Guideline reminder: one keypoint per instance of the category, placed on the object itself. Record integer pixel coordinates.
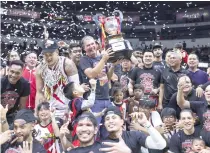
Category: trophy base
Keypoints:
(122, 49)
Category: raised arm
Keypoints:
(181, 102)
(161, 93)
(91, 98)
(94, 72)
(155, 139)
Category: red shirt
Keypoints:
(184, 56)
(30, 76)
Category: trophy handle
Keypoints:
(120, 15)
(96, 19)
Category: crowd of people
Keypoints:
(81, 103)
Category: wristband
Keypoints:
(147, 125)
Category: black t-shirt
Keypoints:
(148, 77)
(133, 139)
(102, 86)
(14, 148)
(124, 80)
(182, 143)
(202, 109)
(159, 65)
(10, 94)
(190, 97)
(170, 80)
(81, 76)
(89, 149)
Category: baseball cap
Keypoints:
(157, 45)
(178, 45)
(113, 110)
(49, 46)
(26, 115)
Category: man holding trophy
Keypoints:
(111, 36)
(95, 66)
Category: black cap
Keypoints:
(49, 46)
(157, 45)
(26, 115)
(113, 110)
(178, 45)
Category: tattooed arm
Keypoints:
(71, 71)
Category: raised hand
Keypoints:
(199, 92)
(181, 85)
(85, 86)
(116, 147)
(106, 54)
(178, 125)
(27, 147)
(140, 117)
(6, 136)
(64, 130)
(93, 83)
(3, 111)
(136, 126)
(46, 33)
(62, 44)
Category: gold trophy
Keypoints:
(111, 35)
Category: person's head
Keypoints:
(86, 128)
(73, 90)
(175, 59)
(187, 119)
(89, 46)
(193, 61)
(148, 58)
(75, 52)
(138, 53)
(198, 144)
(113, 120)
(157, 50)
(118, 95)
(126, 64)
(15, 71)
(31, 59)
(207, 94)
(178, 47)
(146, 106)
(50, 52)
(168, 116)
(167, 59)
(43, 111)
(13, 56)
(24, 124)
(138, 91)
(140, 62)
(188, 83)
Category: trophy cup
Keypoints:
(111, 35)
